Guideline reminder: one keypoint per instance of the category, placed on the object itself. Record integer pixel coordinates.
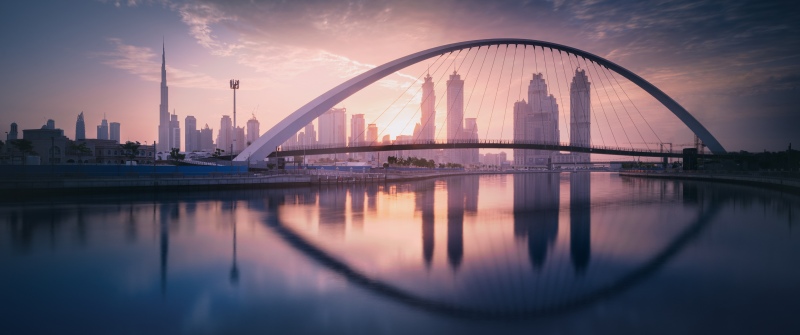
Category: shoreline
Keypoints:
(13, 188)
(780, 183)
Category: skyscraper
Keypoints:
(102, 129)
(536, 121)
(427, 129)
(332, 128)
(191, 134)
(207, 139)
(357, 129)
(239, 140)
(225, 134)
(471, 156)
(114, 131)
(253, 131)
(80, 128)
(455, 113)
(310, 137)
(174, 132)
(372, 139)
(164, 133)
(580, 121)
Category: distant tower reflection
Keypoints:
(580, 222)
(332, 207)
(234, 275)
(536, 206)
(357, 199)
(164, 239)
(424, 203)
(455, 222)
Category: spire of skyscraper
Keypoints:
(164, 117)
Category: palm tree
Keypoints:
(176, 154)
(24, 146)
(81, 149)
(131, 149)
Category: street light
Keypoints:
(234, 87)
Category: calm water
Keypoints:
(568, 253)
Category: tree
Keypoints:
(176, 154)
(81, 149)
(24, 146)
(131, 149)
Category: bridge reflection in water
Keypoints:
(495, 283)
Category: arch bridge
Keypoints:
(268, 143)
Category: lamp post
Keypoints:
(234, 87)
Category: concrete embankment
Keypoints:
(78, 185)
(789, 182)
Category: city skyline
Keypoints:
(729, 88)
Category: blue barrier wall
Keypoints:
(115, 170)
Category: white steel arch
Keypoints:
(289, 126)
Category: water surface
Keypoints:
(540, 252)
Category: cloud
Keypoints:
(146, 64)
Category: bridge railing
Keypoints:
(555, 145)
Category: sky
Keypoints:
(734, 65)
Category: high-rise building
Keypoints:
(164, 132)
(372, 139)
(102, 129)
(114, 131)
(310, 137)
(191, 134)
(455, 114)
(225, 134)
(239, 140)
(537, 122)
(579, 109)
(207, 139)
(253, 131)
(51, 124)
(80, 128)
(471, 156)
(357, 129)
(12, 133)
(174, 132)
(427, 125)
(332, 129)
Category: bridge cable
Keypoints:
(611, 103)
(440, 100)
(497, 90)
(494, 58)
(420, 106)
(415, 94)
(508, 95)
(477, 78)
(634, 106)
(602, 106)
(398, 98)
(580, 104)
(605, 73)
(599, 131)
(566, 83)
(549, 97)
(597, 122)
(409, 101)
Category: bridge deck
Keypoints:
(482, 144)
